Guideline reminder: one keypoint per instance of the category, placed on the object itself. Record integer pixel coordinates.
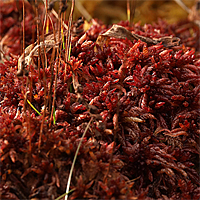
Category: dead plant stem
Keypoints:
(44, 65)
(51, 80)
(57, 67)
(55, 86)
(38, 35)
(52, 68)
(68, 38)
(25, 92)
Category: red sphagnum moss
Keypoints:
(144, 140)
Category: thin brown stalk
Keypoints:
(68, 38)
(56, 15)
(52, 69)
(23, 26)
(25, 92)
(38, 35)
(23, 48)
(57, 66)
(44, 65)
(55, 86)
(60, 35)
(51, 80)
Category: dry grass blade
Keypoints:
(56, 15)
(83, 11)
(75, 156)
(182, 5)
(63, 195)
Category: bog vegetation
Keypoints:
(95, 111)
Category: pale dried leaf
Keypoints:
(120, 32)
